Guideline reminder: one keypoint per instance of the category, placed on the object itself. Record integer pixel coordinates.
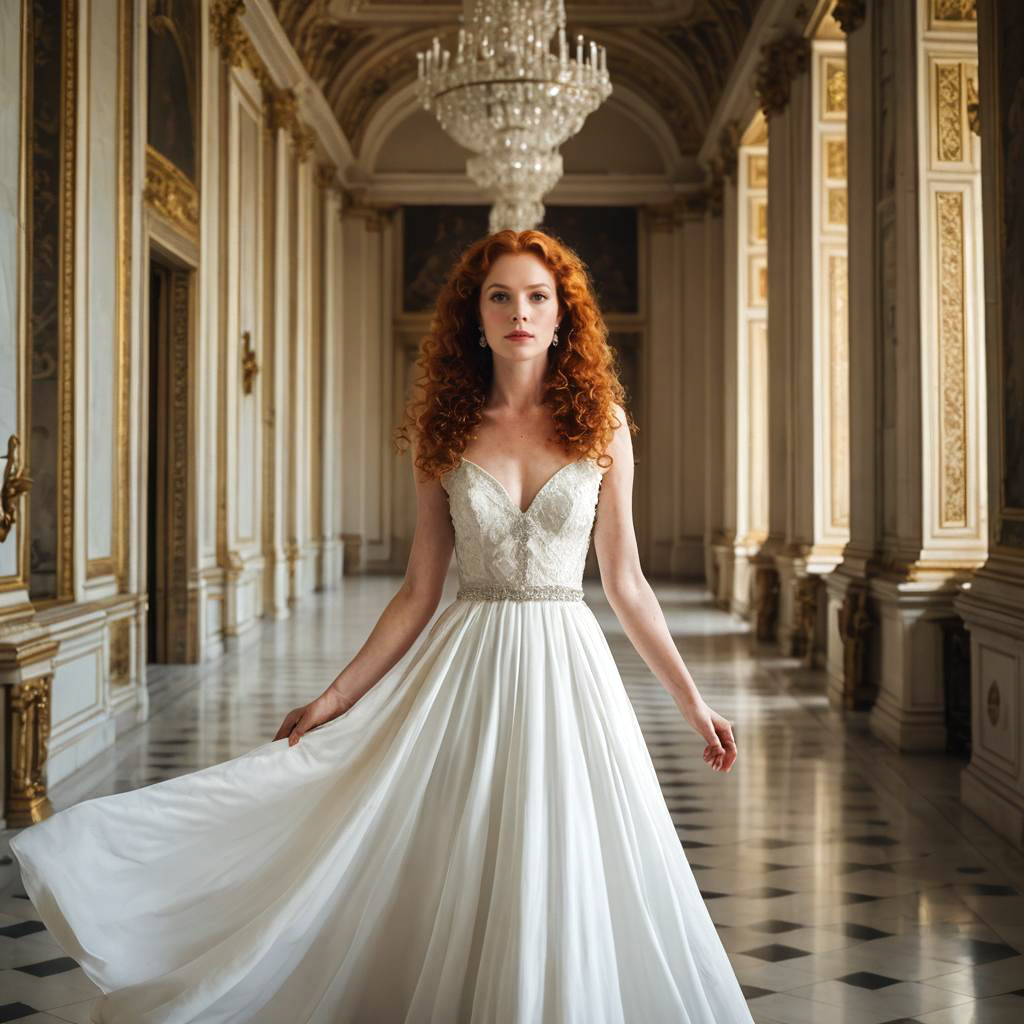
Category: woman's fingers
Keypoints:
(289, 720)
(303, 725)
(720, 753)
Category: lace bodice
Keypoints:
(505, 553)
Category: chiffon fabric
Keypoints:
(480, 838)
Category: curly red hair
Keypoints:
(582, 381)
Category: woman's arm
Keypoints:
(401, 621)
(636, 605)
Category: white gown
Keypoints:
(480, 838)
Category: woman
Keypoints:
(476, 834)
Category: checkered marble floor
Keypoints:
(848, 883)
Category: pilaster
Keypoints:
(993, 608)
(933, 525)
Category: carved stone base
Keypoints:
(733, 584)
(764, 601)
(992, 786)
(26, 673)
(909, 712)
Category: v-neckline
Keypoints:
(501, 487)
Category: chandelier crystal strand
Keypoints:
(511, 100)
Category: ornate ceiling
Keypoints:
(674, 54)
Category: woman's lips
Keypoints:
(518, 335)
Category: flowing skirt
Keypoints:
(480, 838)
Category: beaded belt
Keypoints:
(499, 592)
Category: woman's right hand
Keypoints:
(299, 721)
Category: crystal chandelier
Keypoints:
(512, 101)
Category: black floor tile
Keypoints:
(15, 1011)
(773, 926)
(43, 969)
(868, 979)
(16, 931)
(775, 951)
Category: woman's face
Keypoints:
(519, 295)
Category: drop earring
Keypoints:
(483, 340)
(554, 340)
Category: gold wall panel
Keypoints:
(839, 373)
(949, 219)
(170, 194)
(836, 207)
(757, 171)
(835, 159)
(757, 281)
(949, 140)
(757, 220)
(833, 103)
(953, 12)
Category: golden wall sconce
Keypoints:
(16, 482)
(250, 367)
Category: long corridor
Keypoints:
(849, 884)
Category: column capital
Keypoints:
(782, 60)
(850, 14)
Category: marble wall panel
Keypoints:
(100, 289)
(10, 246)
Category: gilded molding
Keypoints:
(837, 208)
(178, 623)
(949, 120)
(169, 192)
(955, 10)
(281, 108)
(16, 482)
(28, 731)
(250, 364)
(230, 37)
(839, 378)
(835, 88)
(781, 61)
(326, 175)
(835, 158)
(973, 104)
(69, 93)
(125, 222)
(952, 359)
(850, 14)
(238, 51)
(757, 171)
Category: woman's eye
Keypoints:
(541, 294)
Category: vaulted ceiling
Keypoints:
(674, 54)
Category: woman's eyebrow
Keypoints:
(541, 284)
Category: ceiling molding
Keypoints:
(288, 72)
(675, 54)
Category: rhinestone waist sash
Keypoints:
(500, 592)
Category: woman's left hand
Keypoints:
(720, 752)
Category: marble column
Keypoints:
(849, 618)
(714, 489)
(280, 182)
(326, 478)
(368, 367)
(785, 97)
(993, 608)
(809, 497)
(932, 479)
(744, 392)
